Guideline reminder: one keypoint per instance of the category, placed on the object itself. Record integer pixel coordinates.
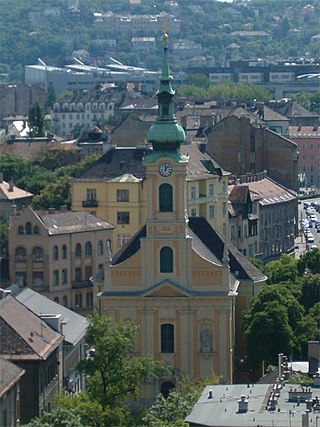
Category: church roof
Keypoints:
(208, 243)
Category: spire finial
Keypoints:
(165, 39)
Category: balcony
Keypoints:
(81, 284)
(90, 203)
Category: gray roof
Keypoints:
(74, 325)
(71, 222)
(222, 410)
(9, 375)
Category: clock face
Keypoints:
(165, 169)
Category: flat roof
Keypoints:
(222, 409)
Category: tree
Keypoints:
(269, 322)
(36, 119)
(54, 195)
(282, 270)
(309, 262)
(4, 227)
(51, 98)
(199, 80)
(59, 417)
(171, 411)
(113, 372)
(55, 156)
(310, 291)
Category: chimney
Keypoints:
(53, 320)
(64, 208)
(210, 395)
(4, 293)
(51, 211)
(243, 404)
(10, 185)
(1, 177)
(305, 419)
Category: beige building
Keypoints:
(56, 253)
(114, 188)
(177, 278)
(12, 197)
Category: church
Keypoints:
(179, 280)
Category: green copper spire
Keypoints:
(166, 134)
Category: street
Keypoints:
(301, 245)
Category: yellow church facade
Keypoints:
(177, 277)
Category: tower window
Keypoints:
(167, 338)
(165, 198)
(166, 260)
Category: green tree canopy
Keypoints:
(59, 417)
(113, 372)
(309, 262)
(36, 119)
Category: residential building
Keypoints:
(242, 144)
(17, 99)
(12, 198)
(118, 180)
(132, 24)
(251, 405)
(73, 328)
(177, 278)
(307, 139)
(82, 110)
(145, 44)
(273, 120)
(31, 344)
(284, 78)
(263, 216)
(93, 141)
(10, 377)
(56, 252)
(296, 113)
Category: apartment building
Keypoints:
(56, 252)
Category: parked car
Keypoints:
(310, 239)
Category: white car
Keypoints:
(310, 239)
(313, 218)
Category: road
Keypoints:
(301, 245)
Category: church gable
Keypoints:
(166, 289)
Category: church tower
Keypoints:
(176, 278)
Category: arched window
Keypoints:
(37, 254)
(64, 252)
(109, 244)
(88, 249)
(65, 301)
(89, 298)
(167, 338)
(28, 228)
(56, 299)
(78, 250)
(165, 198)
(20, 255)
(55, 252)
(100, 247)
(20, 229)
(166, 260)
(78, 300)
(35, 229)
(166, 387)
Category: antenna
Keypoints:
(78, 61)
(114, 60)
(42, 62)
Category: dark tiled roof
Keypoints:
(207, 243)
(239, 194)
(201, 164)
(74, 325)
(131, 247)
(23, 335)
(116, 162)
(215, 243)
(75, 222)
(9, 375)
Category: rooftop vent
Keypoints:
(243, 404)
